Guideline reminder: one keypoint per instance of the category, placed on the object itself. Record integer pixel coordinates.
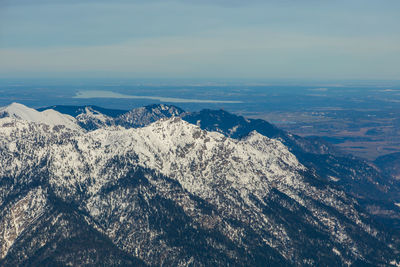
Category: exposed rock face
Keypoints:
(376, 190)
(143, 116)
(172, 194)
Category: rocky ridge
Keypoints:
(172, 193)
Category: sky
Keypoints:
(201, 39)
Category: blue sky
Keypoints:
(253, 39)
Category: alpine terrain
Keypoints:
(160, 186)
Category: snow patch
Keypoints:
(333, 178)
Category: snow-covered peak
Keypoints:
(90, 111)
(19, 111)
(94, 114)
(176, 129)
(49, 116)
(196, 158)
(91, 119)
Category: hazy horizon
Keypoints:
(249, 40)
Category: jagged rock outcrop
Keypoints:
(143, 116)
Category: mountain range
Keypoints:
(160, 186)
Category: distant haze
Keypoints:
(249, 39)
